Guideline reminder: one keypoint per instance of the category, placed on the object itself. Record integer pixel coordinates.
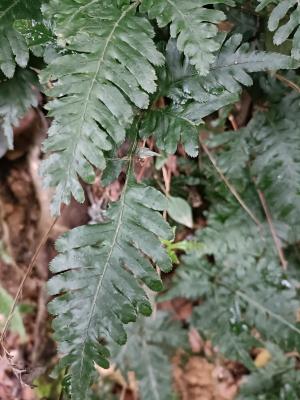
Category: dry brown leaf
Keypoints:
(263, 358)
(196, 341)
(180, 308)
(202, 380)
(113, 374)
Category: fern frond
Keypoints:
(13, 50)
(99, 271)
(194, 25)
(150, 344)
(16, 97)
(276, 163)
(238, 299)
(186, 282)
(237, 272)
(18, 9)
(194, 97)
(190, 102)
(13, 47)
(236, 60)
(218, 319)
(108, 73)
(268, 149)
(244, 289)
(284, 21)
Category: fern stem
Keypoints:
(114, 240)
(289, 83)
(275, 237)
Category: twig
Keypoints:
(167, 176)
(233, 122)
(272, 229)
(289, 83)
(28, 272)
(123, 393)
(140, 175)
(61, 395)
(41, 316)
(230, 186)
(167, 179)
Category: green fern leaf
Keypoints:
(13, 50)
(100, 267)
(231, 335)
(190, 102)
(20, 87)
(195, 97)
(151, 343)
(236, 61)
(18, 9)
(13, 47)
(186, 282)
(245, 289)
(193, 24)
(108, 73)
(284, 10)
(275, 146)
(268, 149)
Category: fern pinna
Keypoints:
(108, 65)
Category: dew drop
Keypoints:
(286, 283)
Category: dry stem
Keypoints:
(28, 272)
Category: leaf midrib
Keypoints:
(87, 99)
(9, 8)
(215, 67)
(114, 241)
(80, 9)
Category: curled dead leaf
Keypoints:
(262, 358)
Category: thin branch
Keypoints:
(289, 83)
(167, 176)
(233, 122)
(28, 272)
(123, 393)
(275, 237)
(230, 186)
